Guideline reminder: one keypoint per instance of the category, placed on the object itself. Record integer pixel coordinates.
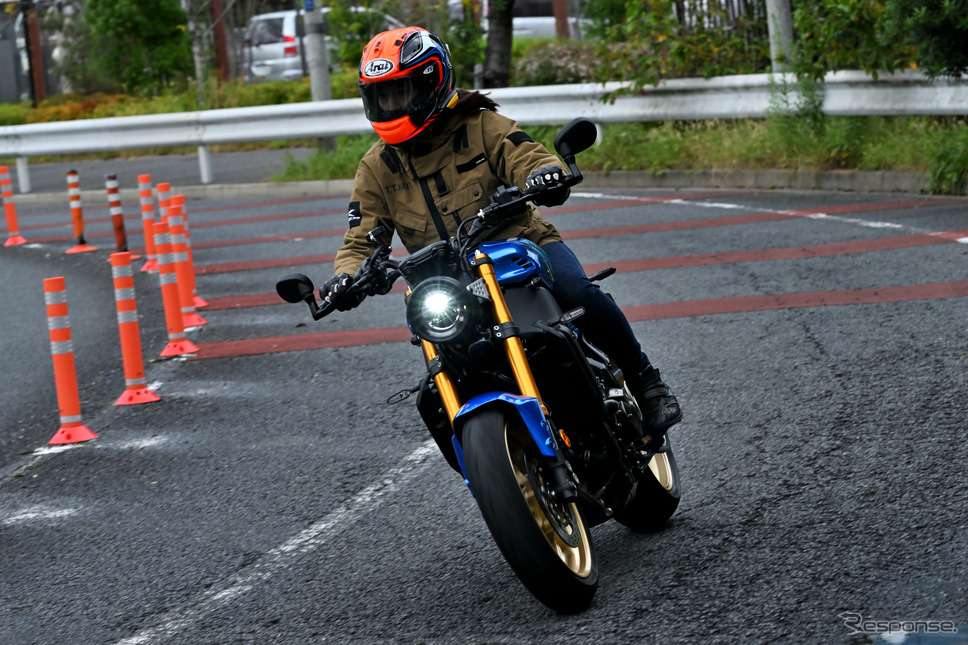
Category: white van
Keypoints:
(274, 43)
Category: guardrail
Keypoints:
(725, 97)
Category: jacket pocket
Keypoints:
(463, 202)
(412, 228)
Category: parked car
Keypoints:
(274, 45)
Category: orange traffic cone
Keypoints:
(77, 215)
(147, 221)
(198, 300)
(164, 199)
(72, 430)
(117, 215)
(179, 251)
(10, 209)
(136, 390)
(178, 344)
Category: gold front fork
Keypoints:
(512, 345)
(448, 393)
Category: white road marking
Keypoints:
(686, 202)
(39, 512)
(279, 558)
(731, 206)
(855, 221)
(53, 450)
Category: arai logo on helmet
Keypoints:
(378, 67)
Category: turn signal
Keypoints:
(564, 437)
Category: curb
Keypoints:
(840, 181)
(860, 181)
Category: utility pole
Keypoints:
(780, 24)
(317, 54)
(317, 59)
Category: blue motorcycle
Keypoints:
(535, 418)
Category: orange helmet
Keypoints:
(406, 80)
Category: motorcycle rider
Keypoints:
(443, 152)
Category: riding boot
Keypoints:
(660, 409)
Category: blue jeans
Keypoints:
(603, 323)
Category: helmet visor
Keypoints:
(412, 96)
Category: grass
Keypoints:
(934, 146)
(323, 164)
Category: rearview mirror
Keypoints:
(577, 136)
(295, 287)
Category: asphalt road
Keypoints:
(817, 343)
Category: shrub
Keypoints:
(949, 161)
(553, 62)
(13, 113)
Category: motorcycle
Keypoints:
(535, 418)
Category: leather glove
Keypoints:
(334, 292)
(545, 180)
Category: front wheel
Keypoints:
(545, 541)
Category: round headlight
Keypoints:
(440, 309)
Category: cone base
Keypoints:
(179, 348)
(81, 248)
(150, 265)
(193, 320)
(133, 256)
(199, 302)
(72, 434)
(134, 397)
(14, 240)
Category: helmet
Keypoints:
(406, 80)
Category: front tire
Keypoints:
(545, 541)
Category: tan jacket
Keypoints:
(422, 191)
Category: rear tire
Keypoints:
(656, 496)
(544, 541)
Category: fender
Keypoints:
(526, 407)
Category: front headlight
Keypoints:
(440, 310)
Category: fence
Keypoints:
(726, 97)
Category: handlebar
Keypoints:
(378, 272)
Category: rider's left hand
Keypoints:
(546, 181)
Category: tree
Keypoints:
(846, 34)
(497, 53)
(938, 30)
(143, 44)
(467, 35)
(645, 41)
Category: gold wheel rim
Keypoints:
(662, 469)
(566, 536)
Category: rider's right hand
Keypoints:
(334, 292)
